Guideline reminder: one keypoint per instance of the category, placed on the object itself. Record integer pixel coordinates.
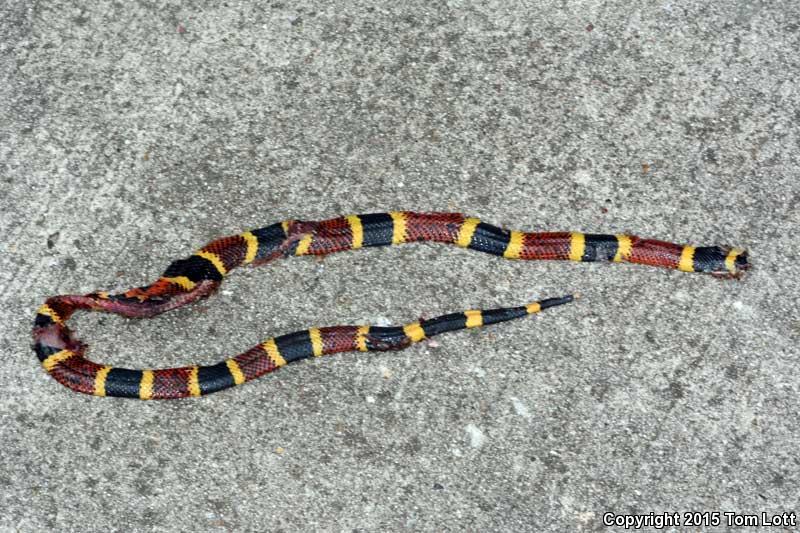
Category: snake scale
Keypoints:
(200, 274)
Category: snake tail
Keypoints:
(63, 357)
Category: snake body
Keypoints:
(200, 274)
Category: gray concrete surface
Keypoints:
(132, 133)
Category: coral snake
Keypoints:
(200, 274)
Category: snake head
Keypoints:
(736, 263)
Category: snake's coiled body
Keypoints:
(199, 275)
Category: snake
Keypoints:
(199, 275)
